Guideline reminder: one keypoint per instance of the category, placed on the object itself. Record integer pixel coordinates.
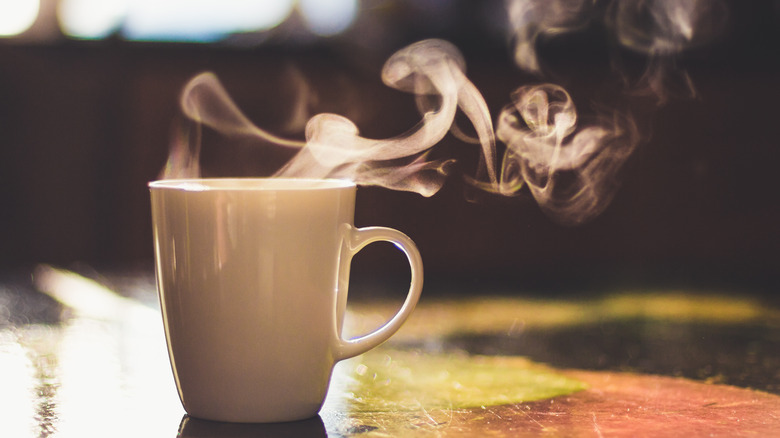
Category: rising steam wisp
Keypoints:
(570, 170)
(334, 148)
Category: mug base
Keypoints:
(197, 427)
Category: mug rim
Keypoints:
(250, 183)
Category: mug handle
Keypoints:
(356, 239)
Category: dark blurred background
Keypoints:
(87, 114)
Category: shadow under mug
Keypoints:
(252, 275)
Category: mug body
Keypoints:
(248, 278)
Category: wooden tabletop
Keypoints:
(84, 354)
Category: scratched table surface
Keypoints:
(83, 354)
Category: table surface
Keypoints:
(83, 354)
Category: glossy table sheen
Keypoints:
(87, 357)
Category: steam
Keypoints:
(659, 29)
(666, 26)
(205, 102)
(532, 19)
(662, 29)
(334, 148)
(571, 169)
(572, 173)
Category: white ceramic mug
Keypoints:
(252, 275)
